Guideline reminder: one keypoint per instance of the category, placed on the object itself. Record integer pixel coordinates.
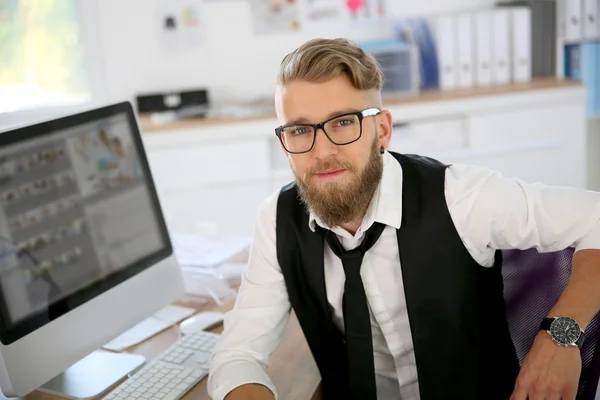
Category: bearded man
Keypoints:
(389, 260)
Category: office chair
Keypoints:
(533, 282)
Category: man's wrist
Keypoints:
(250, 391)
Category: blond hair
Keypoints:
(319, 60)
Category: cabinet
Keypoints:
(220, 173)
(230, 209)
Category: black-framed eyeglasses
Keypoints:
(340, 130)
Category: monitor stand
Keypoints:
(93, 375)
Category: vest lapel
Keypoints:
(314, 264)
(415, 275)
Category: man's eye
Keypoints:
(299, 131)
(344, 122)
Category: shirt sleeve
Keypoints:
(494, 212)
(254, 328)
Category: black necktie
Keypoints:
(357, 322)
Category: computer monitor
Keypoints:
(84, 249)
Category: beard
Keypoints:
(345, 201)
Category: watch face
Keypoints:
(565, 331)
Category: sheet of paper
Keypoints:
(179, 23)
(149, 327)
(195, 250)
(275, 16)
(323, 11)
(361, 11)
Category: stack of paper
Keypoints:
(199, 284)
(198, 251)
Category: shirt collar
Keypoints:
(386, 205)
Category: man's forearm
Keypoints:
(581, 297)
(250, 392)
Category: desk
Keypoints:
(292, 370)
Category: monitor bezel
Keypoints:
(9, 332)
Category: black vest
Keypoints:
(456, 308)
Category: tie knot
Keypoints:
(371, 236)
(350, 254)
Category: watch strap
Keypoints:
(580, 341)
(545, 325)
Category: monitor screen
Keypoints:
(78, 215)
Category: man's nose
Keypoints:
(323, 147)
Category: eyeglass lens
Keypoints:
(342, 130)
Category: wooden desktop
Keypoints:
(292, 369)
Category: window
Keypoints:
(42, 55)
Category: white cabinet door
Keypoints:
(430, 137)
(209, 163)
(537, 144)
(231, 209)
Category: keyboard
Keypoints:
(173, 373)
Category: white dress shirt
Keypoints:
(489, 211)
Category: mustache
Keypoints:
(330, 164)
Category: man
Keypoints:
(415, 311)
(125, 162)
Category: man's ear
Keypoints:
(384, 128)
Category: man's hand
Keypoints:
(250, 392)
(549, 372)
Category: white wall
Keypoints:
(232, 60)
(432, 7)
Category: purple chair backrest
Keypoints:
(533, 282)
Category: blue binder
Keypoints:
(582, 62)
(419, 31)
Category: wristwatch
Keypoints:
(564, 331)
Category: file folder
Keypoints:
(573, 13)
(447, 52)
(483, 48)
(521, 44)
(501, 46)
(466, 55)
(591, 26)
(544, 35)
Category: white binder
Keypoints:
(591, 25)
(573, 13)
(598, 17)
(483, 48)
(521, 44)
(501, 46)
(447, 52)
(466, 56)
